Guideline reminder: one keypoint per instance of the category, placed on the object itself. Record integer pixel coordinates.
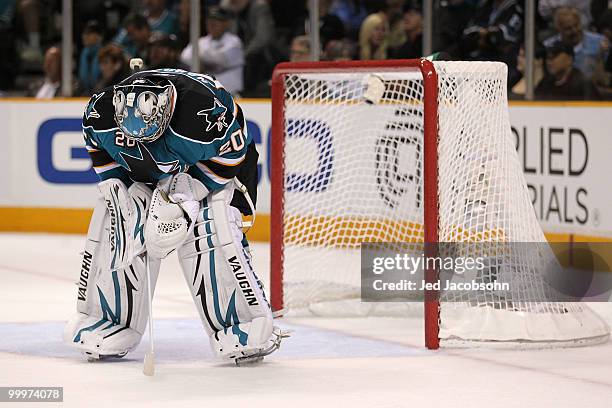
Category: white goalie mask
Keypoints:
(143, 109)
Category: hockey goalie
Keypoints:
(170, 148)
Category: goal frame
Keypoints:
(430, 170)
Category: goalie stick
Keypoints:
(148, 368)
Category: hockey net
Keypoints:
(354, 148)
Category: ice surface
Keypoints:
(365, 362)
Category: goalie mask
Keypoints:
(143, 108)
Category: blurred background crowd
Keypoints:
(244, 39)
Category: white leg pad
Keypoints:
(115, 316)
(112, 303)
(225, 289)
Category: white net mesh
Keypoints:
(354, 173)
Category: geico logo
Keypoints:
(47, 131)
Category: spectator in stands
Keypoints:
(134, 36)
(160, 19)
(413, 29)
(564, 81)
(221, 52)
(394, 13)
(547, 8)
(184, 18)
(108, 13)
(255, 27)
(339, 50)
(139, 35)
(330, 25)
(290, 20)
(113, 65)
(373, 37)
(450, 20)
(89, 67)
(604, 24)
(495, 32)
(8, 66)
(164, 52)
(30, 13)
(52, 67)
(590, 49)
(605, 28)
(352, 13)
(519, 89)
(300, 49)
(598, 8)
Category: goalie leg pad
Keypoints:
(111, 303)
(227, 293)
(112, 320)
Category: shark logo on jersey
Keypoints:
(90, 111)
(215, 116)
(145, 168)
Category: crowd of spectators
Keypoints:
(243, 40)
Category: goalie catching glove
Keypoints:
(174, 209)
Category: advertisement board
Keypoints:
(564, 153)
(563, 149)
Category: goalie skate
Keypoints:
(92, 357)
(275, 342)
(93, 339)
(91, 345)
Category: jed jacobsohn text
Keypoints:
(441, 285)
(397, 273)
(413, 264)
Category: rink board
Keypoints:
(563, 147)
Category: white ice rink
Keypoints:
(373, 362)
